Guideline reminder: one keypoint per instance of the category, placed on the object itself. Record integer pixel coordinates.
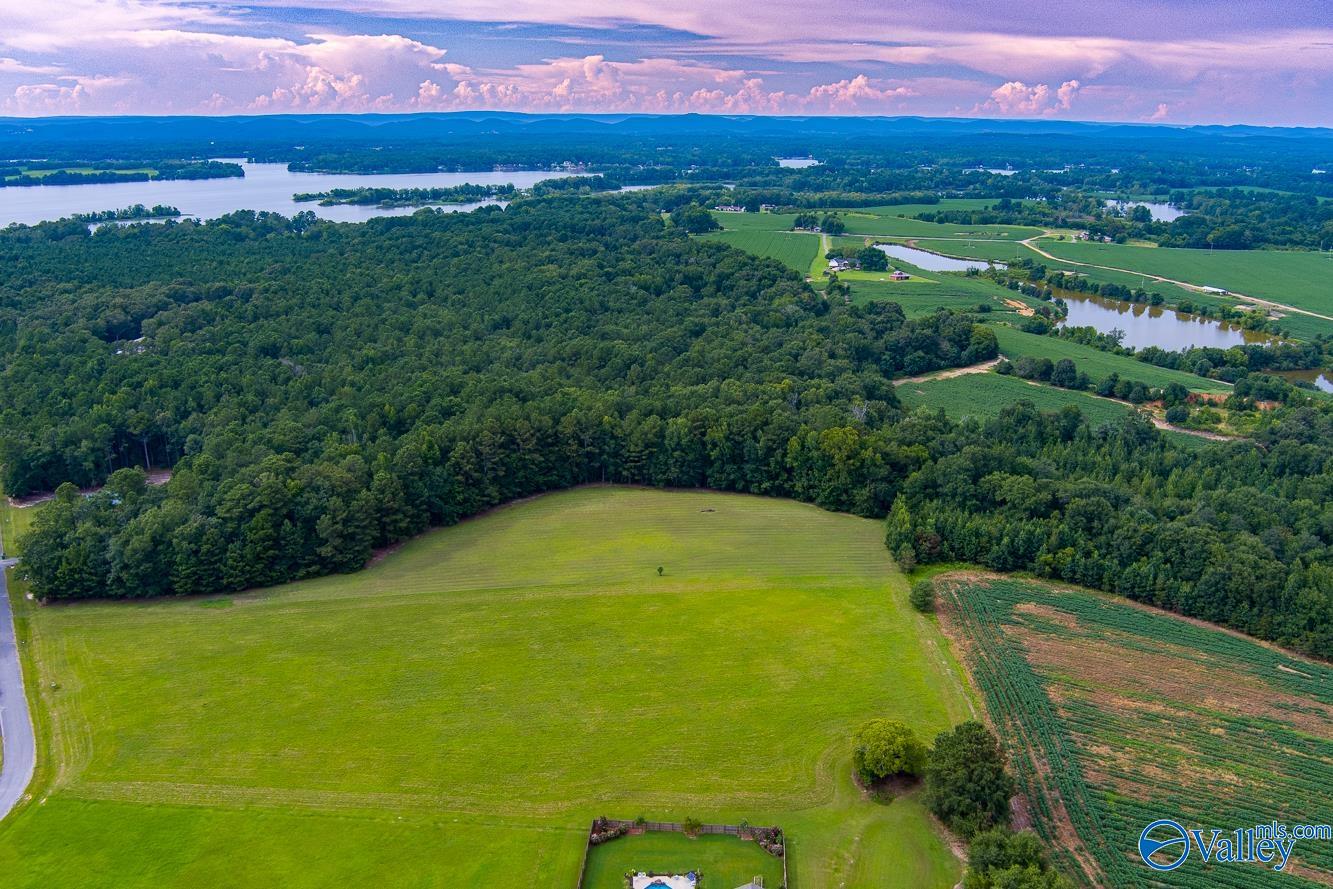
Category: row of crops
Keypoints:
(1245, 736)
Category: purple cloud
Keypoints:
(1191, 61)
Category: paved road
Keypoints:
(20, 749)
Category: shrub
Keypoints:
(967, 786)
(1177, 414)
(922, 596)
(998, 858)
(885, 748)
(692, 826)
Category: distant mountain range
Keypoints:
(284, 128)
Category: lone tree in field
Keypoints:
(967, 786)
(922, 596)
(885, 748)
(659, 570)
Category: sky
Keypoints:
(1180, 62)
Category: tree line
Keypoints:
(322, 390)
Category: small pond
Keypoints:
(933, 262)
(1160, 212)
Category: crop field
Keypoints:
(1096, 363)
(719, 860)
(457, 713)
(1115, 716)
(984, 395)
(1294, 278)
(793, 249)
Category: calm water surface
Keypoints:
(933, 262)
(1153, 325)
(1322, 379)
(1160, 212)
(265, 187)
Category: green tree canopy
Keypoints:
(967, 786)
(884, 748)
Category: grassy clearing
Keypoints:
(1115, 716)
(1096, 363)
(934, 290)
(1289, 277)
(720, 860)
(457, 714)
(984, 395)
(863, 222)
(793, 249)
(915, 209)
(14, 523)
(995, 251)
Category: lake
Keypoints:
(1160, 212)
(1153, 325)
(265, 187)
(933, 262)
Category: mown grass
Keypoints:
(796, 250)
(14, 523)
(456, 714)
(1293, 324)
(864, 222)
(1116, 715)
(926, 292)
(1098, 364)
(966, 248)
(984, 395)
(719, 860)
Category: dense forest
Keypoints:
(1234, 534)
(30, 173)
(322, 390)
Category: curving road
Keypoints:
(20, 748)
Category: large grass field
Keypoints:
(1271, 275)
(1115, 716)
(885, 222)
(796, 250)
(877, 221)
(456, 714)
(984, 395)
(1096, 363)
(969, 248)
(1289, 277)
(926, 292)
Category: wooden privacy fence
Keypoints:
(634, 827)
